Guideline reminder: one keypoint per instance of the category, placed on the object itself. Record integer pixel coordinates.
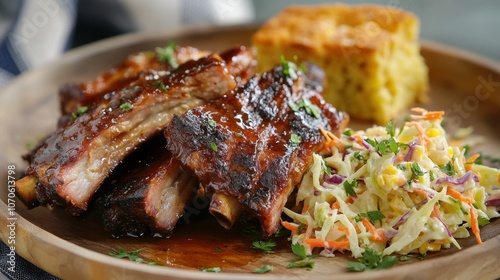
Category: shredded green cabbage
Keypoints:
(424, 188)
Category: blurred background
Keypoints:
(33, 32)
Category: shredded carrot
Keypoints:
(377, 233)
(336, 205)
(344, 229)
(294, 228)
(305, 208)
(453, 193)
(498, 179)
(470, 161)
(474, 224)
(426, 115)
(331, 244)
(332, 141)
(421, 133)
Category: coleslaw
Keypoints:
(393, 190)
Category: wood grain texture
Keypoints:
(77, 248)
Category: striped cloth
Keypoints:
(34, 32)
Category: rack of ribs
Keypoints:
(249, 149)
(70, 165)
(151, 198)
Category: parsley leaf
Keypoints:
(415, 169)
(372, 216)
(448, 169)
(80, 111)
(161, 86)
(326, 169)
(391, 128)
(305, 103)
(299, 250)
(133, 256)
(211, 123)
(372, 260)
(349, 187)
(289, 68)
(210, 269)
(347, 132)
(166, 54)
(295, 139)
(302, 263)
(266, 246)
(264, 269)
(213, 146)
(125, 106)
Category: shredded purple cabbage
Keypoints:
(458, 181)
(411, 148)
(366, 145)
(390, 233)
(334, 179)
(493, 200)
(317, 193)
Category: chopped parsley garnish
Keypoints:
(347, 132)
(404, 258)
(266, 246)
(166, 54)
(326, 169)
(401, 166)
(299, 250)
(305, 103)
(161, 86)
(415, 169)
(214, 147)
(295, 139)
(302, 263)
(210, 269)
(80, 111)
(385, 146)
(391, 128)
(264, 269)
(358, 156)
(218, 250)
(126, 106)
(211, 123)
(133, 256)
(372, 260)
(349, 187)
(373, 216)
(448, 169)
(289, 68)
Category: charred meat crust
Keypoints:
(150, 197)
(72, 162)
(241, 145)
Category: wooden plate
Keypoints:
(466, 86)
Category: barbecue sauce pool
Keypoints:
(205, 243)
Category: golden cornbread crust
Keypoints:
(370, 54)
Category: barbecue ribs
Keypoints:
(250, 148)
(72, 162)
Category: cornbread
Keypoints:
(370, 55)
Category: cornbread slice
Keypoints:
(370, 54)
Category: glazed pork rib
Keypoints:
(150, 198)
(75, 95)
(72, 163)
(249, 149)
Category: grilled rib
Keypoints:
(75, 95)
(244, 147)
(72, 162)
(150, 198)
